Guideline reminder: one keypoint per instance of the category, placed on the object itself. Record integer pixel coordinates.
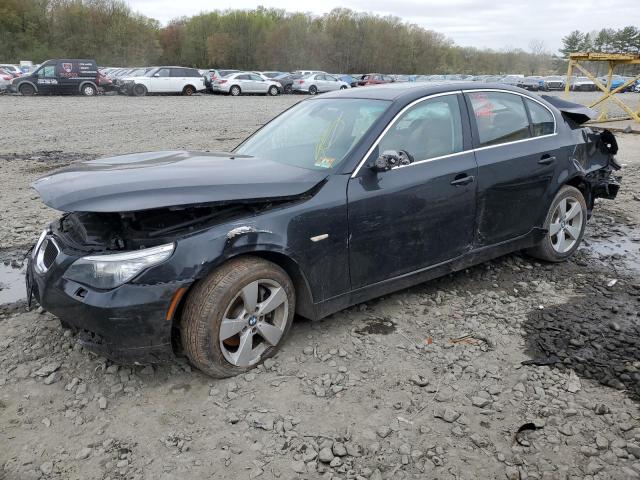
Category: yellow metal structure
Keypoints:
(613, 59)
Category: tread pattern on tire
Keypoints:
(203, 301)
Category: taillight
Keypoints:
(300, 82)
(222, 81)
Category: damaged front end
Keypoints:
(139, 232)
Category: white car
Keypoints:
(13, 69)
(246, 82)
(186, 81)
(318, 83)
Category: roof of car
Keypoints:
(410, 90)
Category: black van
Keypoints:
(60, 76)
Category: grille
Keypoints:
(50, 254)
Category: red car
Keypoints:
(374, 79)
(5, 75)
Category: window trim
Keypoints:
(469, 112)
(393, 122)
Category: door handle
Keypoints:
(547, 159)
(462, 179)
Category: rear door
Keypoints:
(258, 84)
(67, 74)
(517, 160)
(415, 216)
(178, 79)
(332, 83)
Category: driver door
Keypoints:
(415, 216)
(161, 81)
(47, 80)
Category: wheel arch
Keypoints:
(304, 299)
(24, 82)
(90, 82)
(187, 86)
(578, 181)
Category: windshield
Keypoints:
(316, 134)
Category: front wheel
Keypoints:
(565, 223)
(273, 91)
(26, 89)
(237, 317)
(235, 91)
(313, 90)
(139, 90)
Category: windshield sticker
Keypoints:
(325, 162)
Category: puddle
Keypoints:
(622, 248)
(12, 286)
(377, 326)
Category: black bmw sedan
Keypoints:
(342, 198)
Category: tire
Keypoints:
(288, 89)
(343, 87)
(88, 90)
(26, 89)
(273, 91)
(313, 90)
(188, 90)
(564, 233)
(220, 296)
(235, 91)
(139, 90)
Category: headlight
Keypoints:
(110, 271)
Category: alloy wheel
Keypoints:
(254, 321)
(566, 225)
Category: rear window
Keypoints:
(542, 119)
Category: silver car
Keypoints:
(246, 82)
(318, 83)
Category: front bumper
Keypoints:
(126, 324)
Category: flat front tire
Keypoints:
(565, 224)
(237, 317)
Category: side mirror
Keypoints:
(390, 159)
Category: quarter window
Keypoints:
(500, 117)
(542, 119)
(429, 129)
(163, 72)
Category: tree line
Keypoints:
(340, 41)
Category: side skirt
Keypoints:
(474, 257)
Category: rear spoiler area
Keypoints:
(572, 111)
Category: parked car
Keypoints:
(582, 84)
(272, 74)
(304, 73)
(60, 76)
(5, 80)
(246, 82)
(215, 74)
(533, 83)
(286, 80)
(318, 83)
(12, 70)
(553, 83)
(340, 199)
(351, 81)
(176, 80)
(374, 79)
(511, 79)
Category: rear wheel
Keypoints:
(235, 91)
(343, 87)
(26, 89)
(237, 317)
(288, 89)
(565, 223)
(273, 91)
(88, 90)
(188, 90)
(139, 90)
(313, 90)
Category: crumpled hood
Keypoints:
(143, 181)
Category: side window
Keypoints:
(541, 119)
(500, 117)
(192, 72)
(163, 72)
(429, 129)
(256, 77)
(242, 77)
(178, 72)
(48, 72)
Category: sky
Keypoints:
(496, 24)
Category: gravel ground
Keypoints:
(425, 383)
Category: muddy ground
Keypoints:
(424, 383)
